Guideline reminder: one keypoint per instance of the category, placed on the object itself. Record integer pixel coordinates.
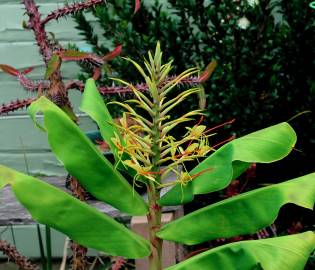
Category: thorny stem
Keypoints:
(57, 92)
(12, 253)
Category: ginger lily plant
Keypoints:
(147, 151)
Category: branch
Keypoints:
(31, 85)
(28, 84)
(109, 90)
(38, 28)
(16, 105)
(71, 9)
(12, 253)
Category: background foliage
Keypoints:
(265, 72)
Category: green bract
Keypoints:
(144, 148)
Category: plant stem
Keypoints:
(154, 222)
(41, 248)
(155, 211)
(48, 247)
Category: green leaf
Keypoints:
(219, 169)
(281, 253)
(93, 104)
(52, 66)
(84, 161)
(73, 55)
(242, 214)
(81, 222)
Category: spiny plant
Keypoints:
(53, 53)
(147, 151)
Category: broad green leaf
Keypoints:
(242, 214)
(264, 146)
(281, 253)
(81, 222)
(84, 161)
(93, 104)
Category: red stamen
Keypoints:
(225, 141)
(221, 125)
(201, 120)
(197, 174)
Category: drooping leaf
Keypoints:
(242, 214)
(219, 169)
(9, 70)
(111, 55)
(52, 66)
(81, 222)
(281, 253)
(84, 161)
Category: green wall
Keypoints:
(18, 137)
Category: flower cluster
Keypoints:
(146, 144)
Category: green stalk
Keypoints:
(155, 211)
(48, 247)
(41, 248)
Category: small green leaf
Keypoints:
(264, 146)
(242, 214)
(52, 66)
(281, 253)
(73, 55)
(84, 161)
(82, 223)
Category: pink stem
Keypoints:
(15, 105)
(71, 9)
